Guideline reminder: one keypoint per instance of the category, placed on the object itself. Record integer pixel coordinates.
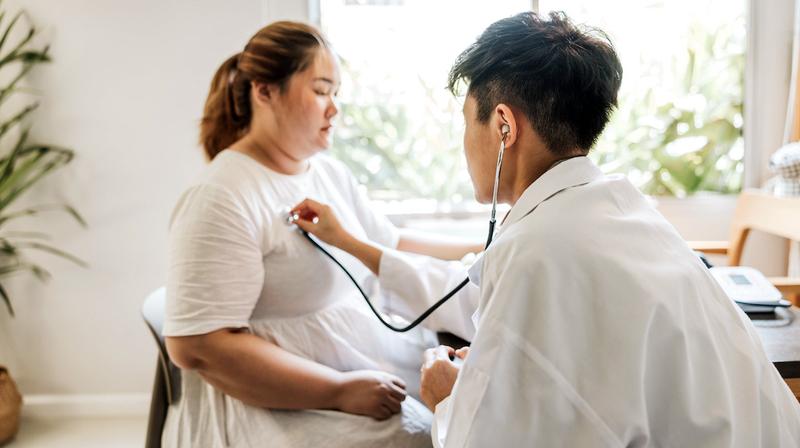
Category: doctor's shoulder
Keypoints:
(522, 248)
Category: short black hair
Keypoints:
(563, 77)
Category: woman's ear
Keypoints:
(504, 123)
(262, 93)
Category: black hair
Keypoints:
(563, 77)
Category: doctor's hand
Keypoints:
(320, 220)
(372, 393)
(439, 374)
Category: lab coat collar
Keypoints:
(474, 271)
(567, 174)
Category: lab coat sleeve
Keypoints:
(410, 284)
(508, 392)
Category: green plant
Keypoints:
(683, 132)
(400, 148)
(23, 164)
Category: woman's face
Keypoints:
(305, 110)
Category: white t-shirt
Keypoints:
(234, 263)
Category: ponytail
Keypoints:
(227, 110)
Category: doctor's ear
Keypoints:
(506, 124)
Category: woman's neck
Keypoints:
(270, 153)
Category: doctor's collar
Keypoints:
(564, 174)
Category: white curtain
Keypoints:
(792, 129)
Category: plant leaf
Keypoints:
(52, 250)
(30, 171)
(8, 29)
(40, 273)
(43, 208)
(29, 235)
(7, 300)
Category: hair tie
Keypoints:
(232, 76)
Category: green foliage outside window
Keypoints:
(680, 134)
(683, 133)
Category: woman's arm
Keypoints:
(319, 220)
(260, 373)
(418, 281)
(437, 246)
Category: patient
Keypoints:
(275, 344)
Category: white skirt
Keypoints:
(345, 336)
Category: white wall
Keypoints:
(126, 90)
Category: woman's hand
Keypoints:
(372, 393)
(320, 220)
(439, 374)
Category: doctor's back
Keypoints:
(596, 326)
(599, 327)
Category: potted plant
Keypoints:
(22, 165)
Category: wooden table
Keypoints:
(780, 334)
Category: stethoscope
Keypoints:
(291, 218)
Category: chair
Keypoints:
(756, 210)
(167, 383)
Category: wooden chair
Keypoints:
(756, 210)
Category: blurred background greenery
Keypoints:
(677, 131)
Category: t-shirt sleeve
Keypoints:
(377, 226)
(215, 270)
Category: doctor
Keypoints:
(596, 325)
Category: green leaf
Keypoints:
(43, 159)
(52, 250)
(7, 300)
(39, 272)
(10, 26)
(43, 208)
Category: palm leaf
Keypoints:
(28, 235)
(10, 26)
(21, 115)
(25, 164)
(39, 272)
(6, 91)
(6, 300)
(7, 163)
(29, 171)
(13, 55)
(51, 250)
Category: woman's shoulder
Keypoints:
(231, 168)
(227, 185)
(235, 175)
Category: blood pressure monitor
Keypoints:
(748, 286)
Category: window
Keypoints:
(400, 130)
(678, 128)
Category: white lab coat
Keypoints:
(597, 326)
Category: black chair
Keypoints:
(167, 384)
